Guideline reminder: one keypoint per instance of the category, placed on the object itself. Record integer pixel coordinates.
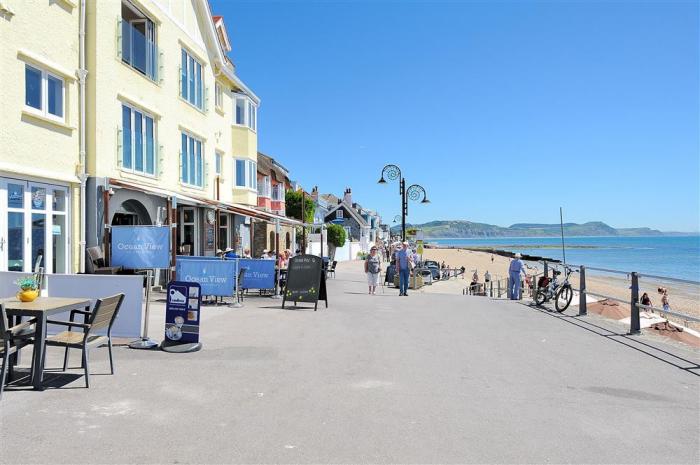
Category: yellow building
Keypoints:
(40, 156)
(171, 133)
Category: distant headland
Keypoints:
(468, 229)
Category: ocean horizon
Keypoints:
(670, 256)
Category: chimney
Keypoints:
(314, 194)
(347, 196)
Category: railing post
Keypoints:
(546, 269)
(499, 288)
(491, 289)
(582, 310)
(634, 313)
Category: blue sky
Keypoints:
(503, 111)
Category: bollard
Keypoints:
(582, 310)
(509, 289)
(634, 301)
(499, 288)
(491, 289)
(546, 269)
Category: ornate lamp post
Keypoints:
(414, 192)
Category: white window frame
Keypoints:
(218, 96)
(199, 183)
(198, 83)
(250, 112)
(265, 187)
(250, 175)
(278, 192)
(143, 139)
(218, 162)
(339, 214)
(44, 97)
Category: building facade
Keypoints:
(40, 160)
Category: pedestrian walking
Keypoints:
(475, 283)
(403, 263)
(514, 270)
(664, 299)
(487, 277)
(372, 267)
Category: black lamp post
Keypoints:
(414, 192)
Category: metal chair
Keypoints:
(96, 262)
(12, 339)
(331, 269)
(102, 316)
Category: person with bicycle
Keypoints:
(516, 268)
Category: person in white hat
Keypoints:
(514, 270)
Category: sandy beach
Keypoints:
(682, 298)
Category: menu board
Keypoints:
(182, 312)
(306, 281)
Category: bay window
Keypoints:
(246, 113)
(44, 93)
(138, 142)
(246, 174)
(278, 192)
(264, 187)
(191, 164)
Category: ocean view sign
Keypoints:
(216, 277)
(259, 274)
(136, 247)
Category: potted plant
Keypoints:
(29, 289)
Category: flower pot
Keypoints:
(27, 296)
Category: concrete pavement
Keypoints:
(428, 378)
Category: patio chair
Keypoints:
(331, 269)
(12, 339)
(96, 262)
(102, 316)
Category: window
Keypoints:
(138, 146)
(43, 93)
(278, 192)
(246, 112)
(246, 174)
(191, 80)
(138, 41)
(191, 161)
(218, 164)
(339, 214)
(264, 187)
(223, 231)
(219, 96)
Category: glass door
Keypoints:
(189, 243)
(33, 227)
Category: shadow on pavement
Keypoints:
(631, 341)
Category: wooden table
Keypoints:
(41, 309)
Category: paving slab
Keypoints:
(428, 378)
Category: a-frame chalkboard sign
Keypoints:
(306, 281)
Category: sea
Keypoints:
(668, 256)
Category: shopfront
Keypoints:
(34, 226)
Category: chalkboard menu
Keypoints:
(306, 281)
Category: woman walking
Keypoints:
(372, 267)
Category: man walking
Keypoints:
(516, 267)
(402, 263)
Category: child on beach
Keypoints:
(664, 298)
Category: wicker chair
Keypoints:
(102, 316)
(11, 340)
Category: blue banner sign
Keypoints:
(259, 274)
(216, 277)
(135, 247)
(182, 312)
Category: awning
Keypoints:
(157, 191)
(239, 209)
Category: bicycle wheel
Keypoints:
(563, 298)
(540, 297)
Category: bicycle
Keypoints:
(562, 293)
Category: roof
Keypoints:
(268, 166)
(353, 213)
(330, 199)
(264, 164)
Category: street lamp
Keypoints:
(414, 192)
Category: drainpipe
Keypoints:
(82, 77)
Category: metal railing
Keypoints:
(634, 302)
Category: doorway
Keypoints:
(33, 226)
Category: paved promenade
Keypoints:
(429, 378)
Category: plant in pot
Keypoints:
(29, 289)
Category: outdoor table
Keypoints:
(41, 309)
